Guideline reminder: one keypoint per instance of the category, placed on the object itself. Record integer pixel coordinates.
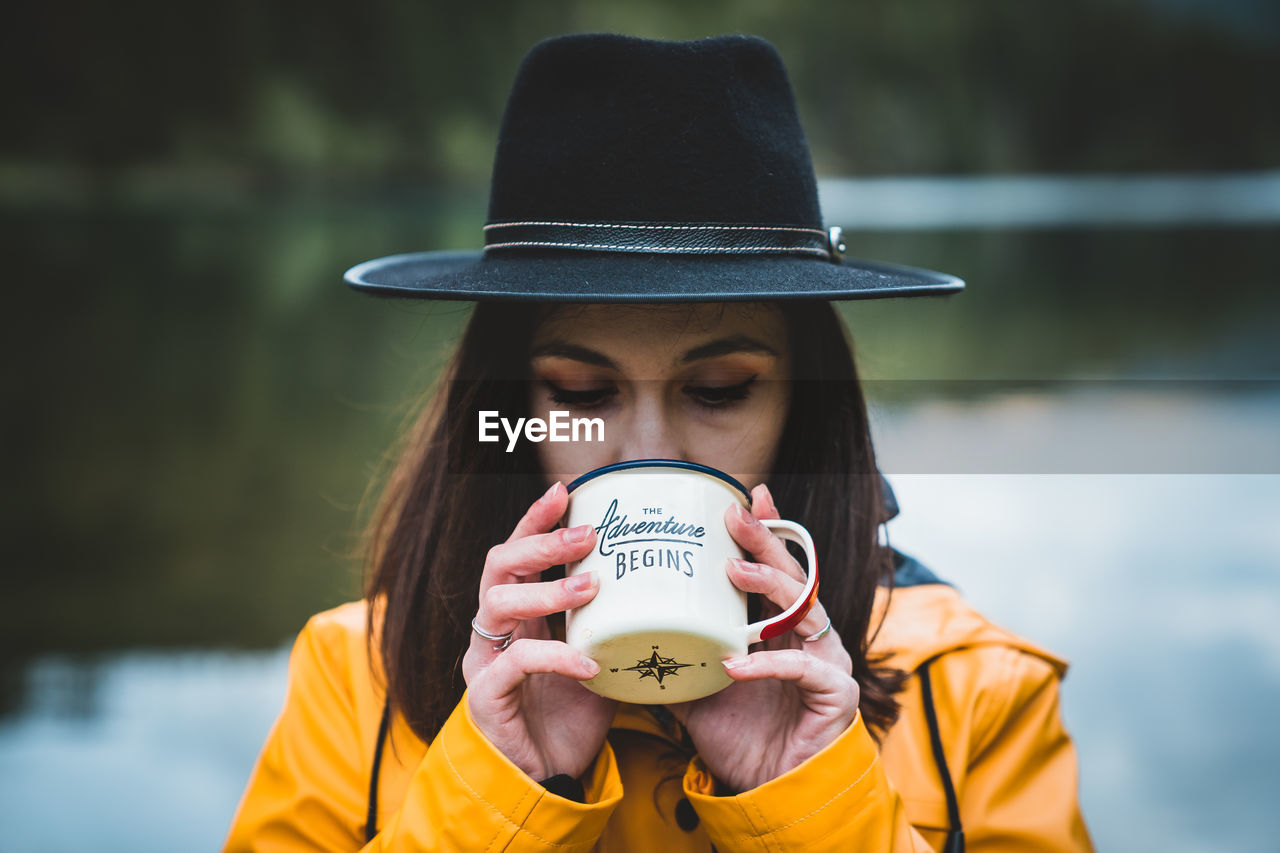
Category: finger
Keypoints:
(757, 540)
(781, 589)
(762, 502)
(825, 687)
(503, 607)
(514, 560)
(543, 514)
(525, 657)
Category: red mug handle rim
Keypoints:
(788, 619)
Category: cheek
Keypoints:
(566, 461)
(746, 444)
(569, 461)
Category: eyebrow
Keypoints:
(722, 346)
(560, 349)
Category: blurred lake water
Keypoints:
(1084, 442)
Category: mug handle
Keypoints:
(789, 618)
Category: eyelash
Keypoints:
(580, 399)
(721, 396)
(708, 396)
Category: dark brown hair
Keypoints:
(449, 499)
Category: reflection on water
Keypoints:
(1244, 198)
(137, 752)
(200, 404)
(1091, 426)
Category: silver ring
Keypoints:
(504, 639)
(813, 638)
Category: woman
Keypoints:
(655, 257)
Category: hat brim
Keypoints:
(633, 277)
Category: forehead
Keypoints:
(663, 329)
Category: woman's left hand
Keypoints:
(790, 698)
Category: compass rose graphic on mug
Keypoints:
(666, 613)
(657, 666)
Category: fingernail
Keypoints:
(579, 583)
(734, 663)
(744, 566)
(768, 497)
(577, 534)
(590, 665)
(745, 515)
(549, 493)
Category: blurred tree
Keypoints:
(367, 97)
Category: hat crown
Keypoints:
(608, 128)
(630, 170)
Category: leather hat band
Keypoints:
(663, 237)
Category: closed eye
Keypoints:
(587, 399)
(720, 396)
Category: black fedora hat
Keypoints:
(631, 170)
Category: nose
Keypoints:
(651, 432)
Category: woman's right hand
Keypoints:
(527, 699)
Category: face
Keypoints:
(707, 383)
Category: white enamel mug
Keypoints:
(666, 613)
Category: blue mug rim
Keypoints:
(661, 463)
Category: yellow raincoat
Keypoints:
(1012, 764)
